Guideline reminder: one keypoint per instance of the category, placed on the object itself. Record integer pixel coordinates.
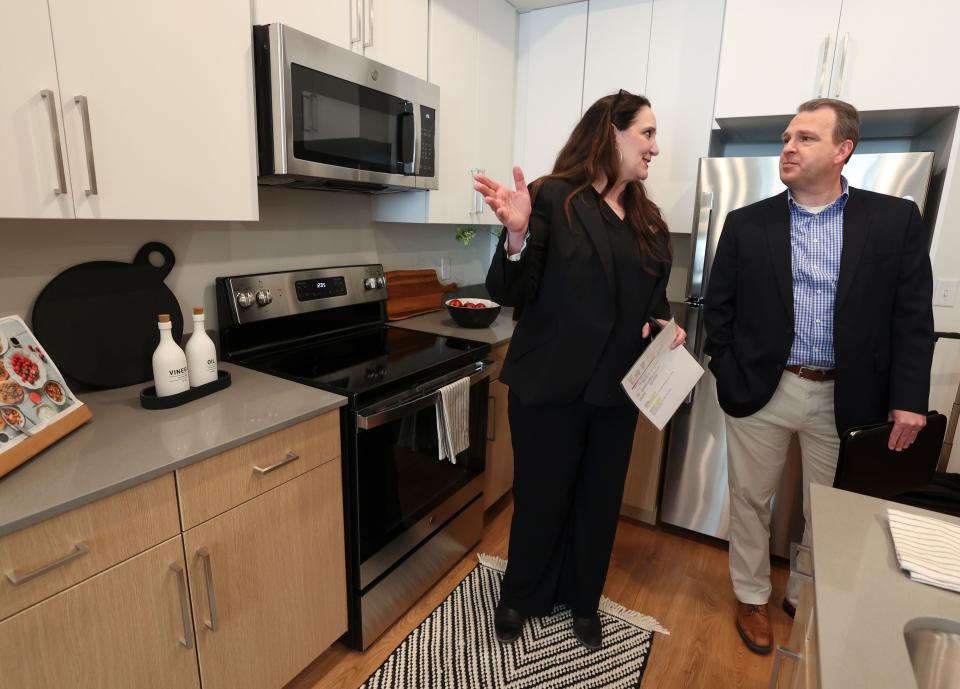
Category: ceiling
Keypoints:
(527, 5)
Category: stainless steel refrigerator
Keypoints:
(695, 492)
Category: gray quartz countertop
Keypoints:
(124, 444)
(863, 598)
(440, 323)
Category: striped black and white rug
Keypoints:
(455, 647)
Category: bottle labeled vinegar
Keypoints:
(169, 362)
(201, 352)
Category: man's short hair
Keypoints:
(848, 119)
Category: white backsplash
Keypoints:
(297, 229)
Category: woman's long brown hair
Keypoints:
(591, 154)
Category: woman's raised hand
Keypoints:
(511, 206)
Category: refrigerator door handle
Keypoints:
(693, 322)
(701, 233)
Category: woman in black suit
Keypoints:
(587, 261)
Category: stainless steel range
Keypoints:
(409, 516)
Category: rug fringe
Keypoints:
(637, 619)
(633, 617)
(492, 562)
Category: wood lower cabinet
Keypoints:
(498, 476)
(643, 475)
(121, 629)
(268, 583)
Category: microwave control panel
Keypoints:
(428, 118)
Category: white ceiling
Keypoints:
(527, 5)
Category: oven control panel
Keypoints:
(273, 295)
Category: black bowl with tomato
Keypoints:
(470, 312)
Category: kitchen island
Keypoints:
(863, 599)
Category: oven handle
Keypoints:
(480, 370)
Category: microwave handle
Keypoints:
(408, 126)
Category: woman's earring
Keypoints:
(621, 154)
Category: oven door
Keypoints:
(404, 492)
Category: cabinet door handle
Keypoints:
(358, 15)
(187, 640)
(19, 576)
(212, 624)
(493, 417)
(781, 652)
(843, 63)
(475, 196)
(822, 89)
(480, 196)
(51, 102)
(368, 27)
(88, 144)
(291, 456)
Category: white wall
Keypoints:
(297, 229)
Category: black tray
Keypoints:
(149, 399)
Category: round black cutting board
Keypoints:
(98, 320)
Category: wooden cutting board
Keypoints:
(413, 292)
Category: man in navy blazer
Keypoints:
(819, 318)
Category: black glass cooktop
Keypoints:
(375, 361)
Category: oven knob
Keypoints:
(245, 299)
(264, 297)
(370, 283)
(381, 282)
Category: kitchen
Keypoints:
(219, 222)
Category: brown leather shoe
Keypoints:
(753, 624)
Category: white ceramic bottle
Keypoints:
(169, 362)
(201, 354)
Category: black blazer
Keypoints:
(883, 315)
(565, 284)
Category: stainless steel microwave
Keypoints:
(328, 118)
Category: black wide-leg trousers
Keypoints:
(570, 463)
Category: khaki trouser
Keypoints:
(756, 453)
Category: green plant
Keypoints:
(467, 234)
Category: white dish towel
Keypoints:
(453, 419)
(927, 548)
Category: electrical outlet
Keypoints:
(445, 268)
(945, 293)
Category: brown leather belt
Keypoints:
(816, 374)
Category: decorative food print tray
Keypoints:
(36, 406)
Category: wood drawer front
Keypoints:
(217, 484)
(497, 354)
(121, 629)
(110, 530)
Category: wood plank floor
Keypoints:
(680, 579)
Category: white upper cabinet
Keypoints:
(875, 54)
(335, 21)
(775, 55)
(158, 113)
(895, 55)
(394, 32)
(550, 70)
(34, 179)
(472, 57)
(497, 53)
(684, 51)
(618, 44)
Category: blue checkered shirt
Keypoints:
(815, 244)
